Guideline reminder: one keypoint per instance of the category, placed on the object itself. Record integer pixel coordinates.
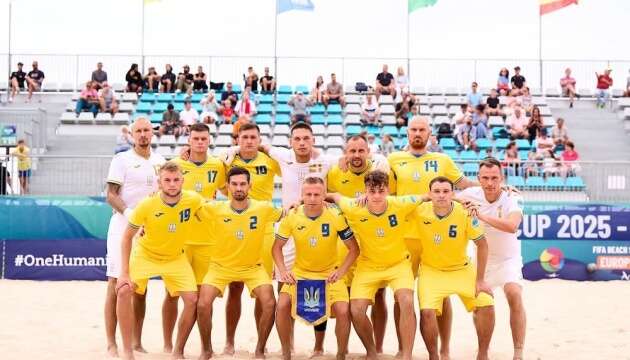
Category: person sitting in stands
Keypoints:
(200, 80)
(134, 79)
(152, 80)
(385, 83)
(107, 100)
(210, 108)
(171, 124)
(299, 107)
(503, 82)
(168, 80)
(567, 83)
(334, 92)
(88, 99)
(251, 80)
(493, 104)
(185, 80)
(99, 76)
(319, 91)
(267, 83)
(245, 107)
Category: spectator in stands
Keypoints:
(532, 166)
(229, 94)
(403, 108)
(168, 80)
(370, 111)
(474, 97)
(626, 93)
(334, 92)
(99, 76)
(465, 111)
(512, 161)
(402, 80)
(134, 79)
(480, 122)
(371, 139)
(503, 82)
(171, 123)
(267, 82)
(227, 111)
(518, 81)
(17, 80)
(299, 107)
(185, 80)
(22, 153)
(567, 83)
(543, 142)
(210, 108)
(551, 165)
(434, 145)
(604, 82)
(319, 91)
(559, 134)
(493, 104)
(34, 80)
(124, 141)
(570, 159)
(526, 100)
(387, 145)
(251, 80)
(200, 80)
(189, 115)
(152, 80)
(466, 135)
(516, 124)
(245, 107)
(107, 100)
(88, 99)
(385, 83)
(535, 124)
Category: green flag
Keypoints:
(417, 4)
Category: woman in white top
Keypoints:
(402, 81)
(317, 93)
(245, 106)
(209, 108)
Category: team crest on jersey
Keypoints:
(227, 220)
(172, 228)
(437, 239)
(315, 168)
(312, 241)
(416, 176)
(402, 164)
(198, 187)
(240, 235)
(475, 222)
(363, 220)
(158, 214)
(184, 172)
(301, 227)
(380, 232)
(345, 181)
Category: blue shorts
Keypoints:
(24, 173)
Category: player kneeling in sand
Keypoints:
(501, 213)
(165, 218)
(315, 285)
(444, 229)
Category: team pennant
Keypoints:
(311, 301)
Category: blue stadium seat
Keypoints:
(500, 155)
(447, 143)
(535, 183)
(196, 97)
(575, 183)
(285, 89)
(147, 97)
(374, 130)
(159, 107)
(282, 119)
(181, 97)
(179, 106)
(470, 169)
(144, 107)
(469, 155)
(156, 118)
(302, 88)
(266, 99)
(452, 154)
(523, 144)
(334, 120)
(283, 98)
(283, 109)
(318, 119)
(499, 133)
(164, 98)
(237, 88)
(554, 183)
(400, 143)
(500, 144)
(483, 144)
(516, 181)
(390, 130)
(334, 109)
(263, 119)
(265, 109)
(318, 109)
(353, 130)
(522, 154)
(197, 106)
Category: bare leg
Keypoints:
(232, 315)
(318, 349)
(283, 324)
(404, 298)
(484, 324)
(124, 309)
(397, 327)
(169, 318)
(186, 322)
(429, 331)
(110, 317)
(518, 318)
(379, 319)
(445, 323)
(139, 309)
(268, 303)
(363, 326)
(207, 295)
(342, 327)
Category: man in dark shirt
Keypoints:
(267, 83)
(171, 124)
(34, 79)
(17, 80)
(185, 80)
(385, 83)
(518, 80)
(99, 76)
(168, 79)
(229, 93)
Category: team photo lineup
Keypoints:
(348, 228)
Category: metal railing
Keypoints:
(31, 125)
(72, 70)
(86, 175)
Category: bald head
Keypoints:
(142, 132)
(418, 132)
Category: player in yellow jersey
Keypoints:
(204, 175)
(384, 260)
(351, 183)
(444, 229)
(165, 218)
(315, 229)
(242, 223)
(262, 170)
(410, 173)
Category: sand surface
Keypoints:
(565, 320)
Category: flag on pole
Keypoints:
(414, 5)
(288, 5)
(547, 6)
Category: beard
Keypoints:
(239, 196)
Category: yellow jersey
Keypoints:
(380, 236)
(347, 183)
(240, 233)
(410, 174)
(22, 154)
(315, 239)
(165, 226)
(262, 170)
(445, 239)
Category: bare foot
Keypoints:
(445, 356)
(482, 356)
(398, 354)
(178, 355)
(518, 354)
(316, 353)
(112, 350)
(229, 349)
(341, 356)
(139, 349)
(259, 354)
(128, 356)
(379, 351)
(205, 355)
(168, 349)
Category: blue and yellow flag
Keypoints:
(288, 5)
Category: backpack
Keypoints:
(361, 87)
